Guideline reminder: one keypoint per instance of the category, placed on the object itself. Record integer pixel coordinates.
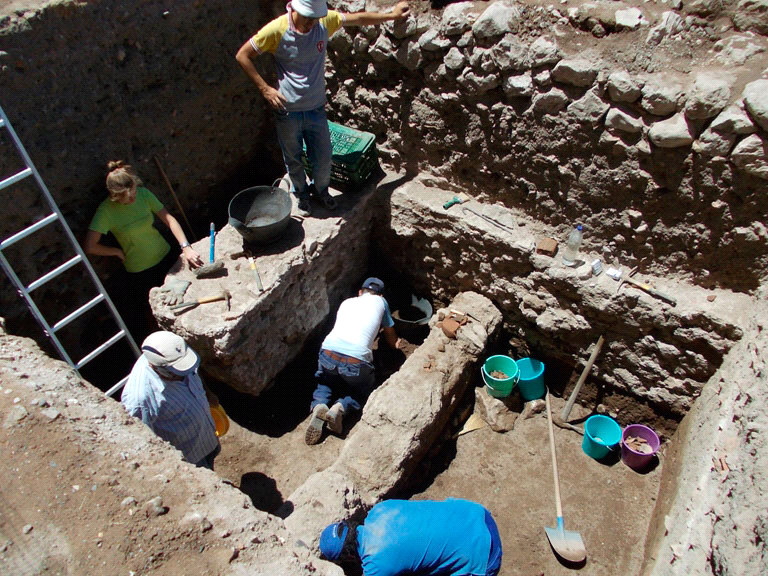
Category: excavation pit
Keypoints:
(644, 123)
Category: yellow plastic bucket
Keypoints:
(220, 419)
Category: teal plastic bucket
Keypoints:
(500, 387)
(601, 435)
(531, 383)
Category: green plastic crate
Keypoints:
(353, 155)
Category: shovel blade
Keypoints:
(566, 543)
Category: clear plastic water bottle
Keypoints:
(572, 246)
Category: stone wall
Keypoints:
(646, 126)
(658, 355)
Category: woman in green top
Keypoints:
(129, 214)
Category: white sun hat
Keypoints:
(169, 351)
(310, 8)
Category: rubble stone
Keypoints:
(756, 102)
(543, 52)
(751, 155)
(661, 98)
(498, 19)
(622, 88)
(576, 72)
(671, 133)
(709, 95)
(619, 120)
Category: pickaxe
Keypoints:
(184, 306)
(627, 277)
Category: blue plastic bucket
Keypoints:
(531, 383)
(601, 435)
(500, 387)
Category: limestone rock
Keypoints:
(576, 72)
(751, 155)
(671, 23)
(382, 49)
(751, 15)
(457, 18)
(543, 52)
(734, 120)
(477, 84)
(509, 54)
(660, 98)
(703, 7)
(494, 411)
(756, 102)
(629, 19)
(671, 133)
(432, 41)
(519, 85)
(618, 120)
(455, 59)
(498, 19)
(713, 143)
(709, 95)
(408, 27)
(622, 88)
(15, 415)
(550, 102)
(590, 108)
(736, 50)
(409, 54)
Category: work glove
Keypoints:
(173, 291)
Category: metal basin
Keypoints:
(260, 213)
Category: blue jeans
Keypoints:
(296, 128)
(348, 382)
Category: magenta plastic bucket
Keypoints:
(632, 458)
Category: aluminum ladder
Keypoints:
(25, 292)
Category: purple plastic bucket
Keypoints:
(632, 458)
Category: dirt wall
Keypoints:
(87, 82)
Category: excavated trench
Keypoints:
(265, 457)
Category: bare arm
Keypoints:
(245, 57)
(390, 336)
(93, 245)
(189, 254)
(401, 10)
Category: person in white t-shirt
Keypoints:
(345, 369)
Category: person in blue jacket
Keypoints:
(425, 538)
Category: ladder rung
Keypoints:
(52, 217)
(53, 273)
(15, 178)
(79, 312)
(99, 350)
(117, 386)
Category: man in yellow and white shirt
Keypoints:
(298, 41)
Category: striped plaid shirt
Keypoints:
(177, 411)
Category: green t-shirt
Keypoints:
(132, 225)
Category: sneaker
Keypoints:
(334, 418)
(304, 208)
(315, 429)
(328, 201)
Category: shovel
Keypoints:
(566, 543)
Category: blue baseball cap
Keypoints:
(374, 285)
(332, 540)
